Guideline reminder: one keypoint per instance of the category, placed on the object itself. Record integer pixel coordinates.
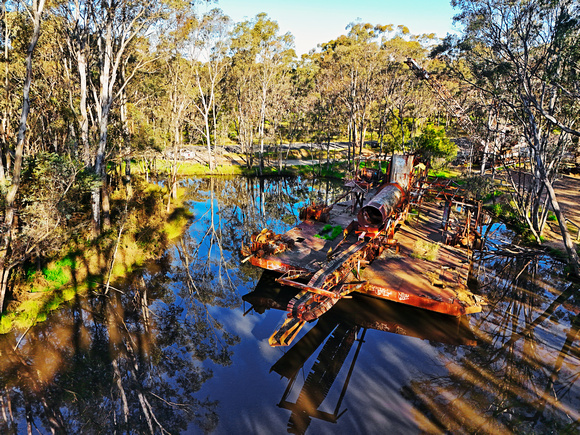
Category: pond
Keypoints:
(177, 348)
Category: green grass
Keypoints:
(185, 169)
(193, 169)
(329, 232)
(443, 173)
(58, 274)
(425, 250)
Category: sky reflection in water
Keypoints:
(193, 362)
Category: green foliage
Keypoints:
(433, 143)
(51, 176)
(478, 187)
(399, 132)
(328, 232)
(55, 200)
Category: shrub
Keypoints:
(426, 250)
(433, 144)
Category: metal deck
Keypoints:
(439, 285)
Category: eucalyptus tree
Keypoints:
(207, 48)
(174, 85)
(367, 72)
(326, 114)
(102, 37)
(257, 48)
(9, 255)
(280, 108)
(401, 100)
(531, 47)
(6, 26)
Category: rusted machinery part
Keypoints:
(315, 212)
(380, 208)
(267, 242)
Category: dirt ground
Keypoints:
(567, 189)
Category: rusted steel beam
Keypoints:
(451, 307)
(319, 291)
(273, 263)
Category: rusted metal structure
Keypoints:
(372, 257)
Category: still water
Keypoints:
(182, 345)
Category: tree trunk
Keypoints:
(84, 121)
(573, 259)
(4, 127)
(19, 156)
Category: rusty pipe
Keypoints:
(380, 208)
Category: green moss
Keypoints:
(6, 323)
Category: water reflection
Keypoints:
(133, 360)
(335, 333)
(523, 376)
(170, 349)
(104, 365)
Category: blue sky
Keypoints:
(315, 21)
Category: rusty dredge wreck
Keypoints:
(364, 245)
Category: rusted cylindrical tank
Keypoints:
(378, 210)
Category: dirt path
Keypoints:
(568, 191)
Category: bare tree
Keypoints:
(531, 47)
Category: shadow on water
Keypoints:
(174, 349)
(336, 333)
(512, 368)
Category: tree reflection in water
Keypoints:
(523, 375)
(132, 361)
(136, 360)
(108, 364)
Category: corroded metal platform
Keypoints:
(380, 253)
(438, 285)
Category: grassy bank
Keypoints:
(86, 265)
(190, 169)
